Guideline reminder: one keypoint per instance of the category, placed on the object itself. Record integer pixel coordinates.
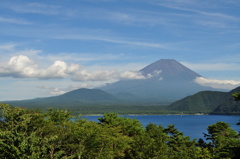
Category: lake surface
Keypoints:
(191, 125)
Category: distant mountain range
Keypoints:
(166, 82)
(77, 97)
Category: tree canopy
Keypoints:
(26, 133)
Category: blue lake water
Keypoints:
(191, 125)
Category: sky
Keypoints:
(50, 47)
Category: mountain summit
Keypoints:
(166, 81)
(169, 69)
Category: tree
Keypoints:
(225, 142)
(180, 146)
(150, 144)
(18, 133)
(129, 127)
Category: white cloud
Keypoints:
(85, 75)
(23, 67)
(131, 75)
(59, 69)
(155, 73)
(18, 66)
(221, 84)
(108, 75)
(54, 91)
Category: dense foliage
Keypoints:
(212, 102)
(205, 101)
(236, 96)
(231, 105)
(30, 134)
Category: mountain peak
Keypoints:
(168, 69)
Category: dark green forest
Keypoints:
(31, 134)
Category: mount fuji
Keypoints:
(166, 81)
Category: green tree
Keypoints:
(18, 133)
(127, 126)
(180, 146)
(150, 144)
(58, 115)
(225, 142)
(236, 96)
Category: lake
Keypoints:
(191, 125)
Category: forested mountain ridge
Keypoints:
(213, 102)
(202, 101)
(229, 105)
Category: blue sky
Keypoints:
(51, 47)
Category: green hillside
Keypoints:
(229, 105)
(205, 101)
(212, 102)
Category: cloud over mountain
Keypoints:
(23, 67)
(221, 84)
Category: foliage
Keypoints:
(30, 134)
(225, 142)
(236, 96)
(212, 102)
(230, 105)
(204, 101)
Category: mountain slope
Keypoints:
(169, 69)
(229, 105)
(208, 101)
(199, 102)
(73, 98)
(166, 81)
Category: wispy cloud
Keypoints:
(8, 47)
(36, 8)
(136, 18)
(81, 57)
(14, 21)
(115, 41)
(101, 35)
(206, 18)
